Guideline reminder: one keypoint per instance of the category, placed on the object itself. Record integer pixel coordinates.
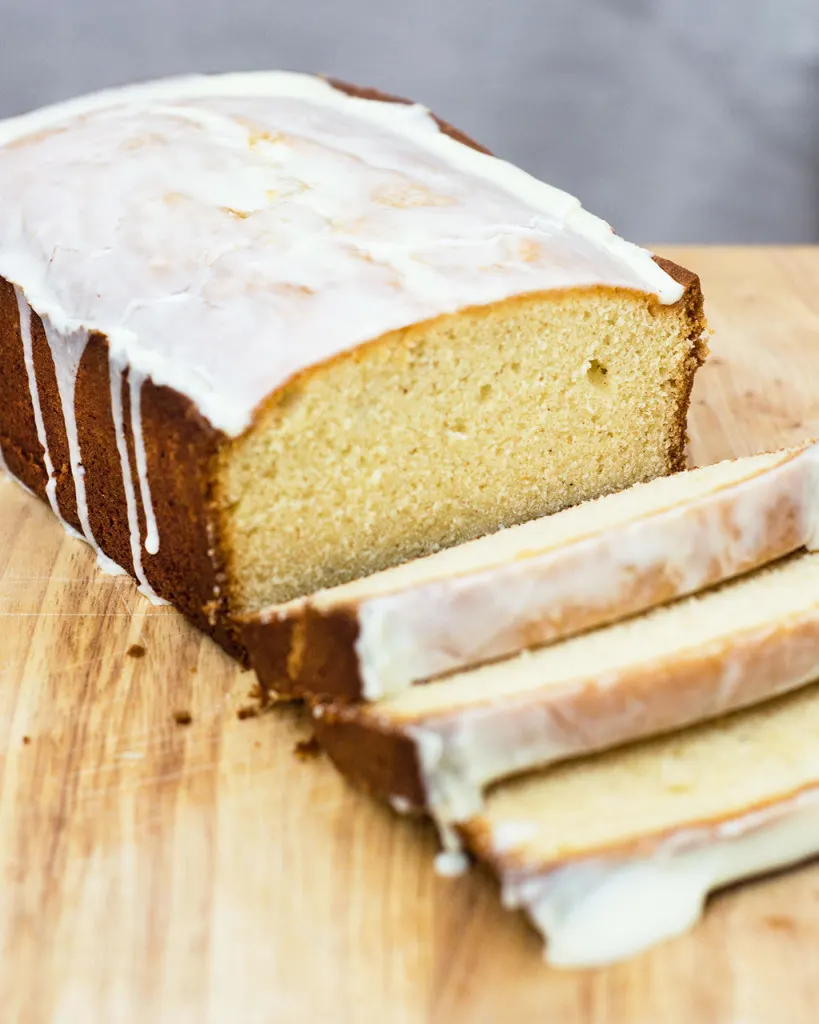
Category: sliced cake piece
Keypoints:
(438, 746)
(614, 853)
(534, 584)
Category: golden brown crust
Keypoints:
(365, 93)
(687, 278)
(305, 654)
(18, 431)
(693, 302)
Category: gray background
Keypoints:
(677, 120)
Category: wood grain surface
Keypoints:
(154, 872)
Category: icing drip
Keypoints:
(66, 352)
(451, 863)
(28, 357)
(130, 496)
(135, 381)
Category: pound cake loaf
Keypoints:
(539, 582)
(264, 333)
(615, 853)
(439, 746)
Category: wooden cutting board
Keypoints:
(154, 872)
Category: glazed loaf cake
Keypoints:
(615, 853)
(539, 582)
(439, 746)
(262, 334)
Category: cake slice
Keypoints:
(438, 746)
(263, 333)
(539, 582)
(614, 853)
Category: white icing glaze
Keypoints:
(451, 623)
(181, 217)
(127, 479)
(597, 910)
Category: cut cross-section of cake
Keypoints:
(540, 582)
(264, 333)
(612, 854)
(439, 746)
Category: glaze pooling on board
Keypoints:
(291, 216)
(600, 909)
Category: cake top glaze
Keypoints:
(226, 232)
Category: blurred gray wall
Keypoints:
(677, 120)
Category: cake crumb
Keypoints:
(247, 711)
(262, 695)
(182, 717)
(26, 740)
(136, 651)
(306, 750)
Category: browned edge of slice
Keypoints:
(306, 653)
(379, 759)
(373, 753)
